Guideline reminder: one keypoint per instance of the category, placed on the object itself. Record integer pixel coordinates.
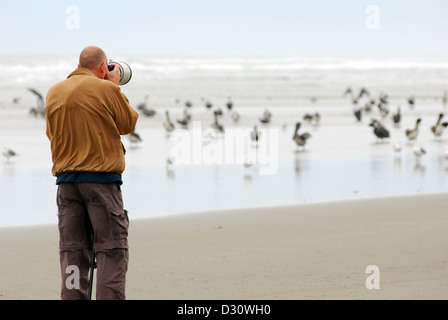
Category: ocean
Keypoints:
(212, 171)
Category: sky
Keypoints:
(227, 28)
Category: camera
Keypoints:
(125, 71)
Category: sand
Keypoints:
(310, 251)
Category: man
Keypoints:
(86, 115)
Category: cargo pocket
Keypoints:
(120, 226)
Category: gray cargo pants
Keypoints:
(83, 207)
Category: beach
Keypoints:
(214, 216)
(310, 251)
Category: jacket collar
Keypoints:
(82, 72)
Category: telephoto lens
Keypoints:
(125, 71)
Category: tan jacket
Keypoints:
(85, 118)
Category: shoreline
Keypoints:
(307, 251)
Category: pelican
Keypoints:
(134, 137)
(379, 130)
(437, 129)
(145, 111)
(169, 126)
(255, 135)
(185, 120)
(411, 101)
(217, 126)
(384, 111)
(358, 114)
(312, 118)
(229, 103)
(300, 139)
(40, 109)
(412, 134)
(397, 116)
(8, 153)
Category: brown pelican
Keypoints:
(144, 110)
(437, 129)
(255, 135)
(134, 137)
(300, 139)
(169, 126)
(412, 134)
(40, 109)
(216, 125)
(397, 116)
(379, 130)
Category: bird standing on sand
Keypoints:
(216, 125)
(312, 118)
(169, 126)
(411, 101)
(266, 117)
(418, 151)
(229, 103)
(437, 129)
(40, 109)
(8, 153)
(397, 116)
(134, 137)
(412, 134)
(255, 135)
(300, 139)
(185, 120)
(144, 109)
(379, 130)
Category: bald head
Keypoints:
(92, 57)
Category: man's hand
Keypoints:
(114, 75)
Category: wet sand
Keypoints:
(307, 251)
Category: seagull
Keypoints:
(397, 147)
(300, 139)
(445, 99)
(169, 126)
(188, 104)
(418, 151)
(379, 130)
(40, 109)
(412, 134)
(266, 117)
(235, 116)
(145, 111)
(8, 153)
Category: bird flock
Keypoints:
(363, 104)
